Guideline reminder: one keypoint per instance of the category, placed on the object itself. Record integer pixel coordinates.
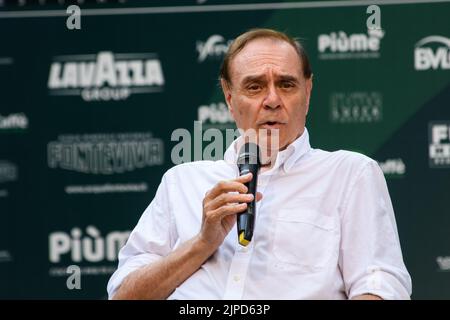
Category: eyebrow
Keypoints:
(288, 78)
(253, 78)
(261, 78)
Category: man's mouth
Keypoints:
(271, 125)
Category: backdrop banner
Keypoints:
(87, 120)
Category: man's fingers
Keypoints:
(244, 178)
(223, 211)
(228, 198)
(236, 185)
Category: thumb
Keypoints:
(259, 196)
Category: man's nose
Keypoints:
(272, 100)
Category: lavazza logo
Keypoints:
(86, 247)
(214, 47)
(340, 45)
(105, 76)
(356, 107)
(439, 144)
(432, 52)
(105, 154)
(215, 115)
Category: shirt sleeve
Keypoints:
(152, 238)
(370, 254)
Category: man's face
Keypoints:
(268, 89)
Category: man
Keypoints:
(325, 227)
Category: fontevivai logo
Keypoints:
(340, 45)
(214, 47)
(432, 52)
(105, 154)
(105, 76)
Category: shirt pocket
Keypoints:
(304, 239)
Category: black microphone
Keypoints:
(248, 161)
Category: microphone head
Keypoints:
(249, 154)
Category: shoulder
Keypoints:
(197, 170)
(344, 158)
(343, 164)
(352, 158)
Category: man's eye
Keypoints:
(287, 84)
(254, 87)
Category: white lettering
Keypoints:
(91, 247)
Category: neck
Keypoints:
(266, 167)
(268, 159)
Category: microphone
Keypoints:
(248, 161)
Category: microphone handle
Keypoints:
(246, 219)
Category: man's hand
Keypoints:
(220, 206)
(159, 279)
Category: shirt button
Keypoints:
(244, 249)
(236, 278)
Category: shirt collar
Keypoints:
(286, 158)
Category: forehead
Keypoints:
(266, 55)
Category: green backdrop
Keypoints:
(86, 118)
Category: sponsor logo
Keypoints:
(432, 52)
(105, 154)
(443, 263)
(106, 188)
(105, 76)
(94, 251)
(356, 107)
(393, 167)
(5, 256)
(439, 144)
(214, 47)
(215, 115)
(6, 60)
(88, 247)
(14, 121)
(8, 171)
(340, 45)
(19, 5)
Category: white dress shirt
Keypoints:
(325, 229)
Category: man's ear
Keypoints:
(227, 94)
(309, 85)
